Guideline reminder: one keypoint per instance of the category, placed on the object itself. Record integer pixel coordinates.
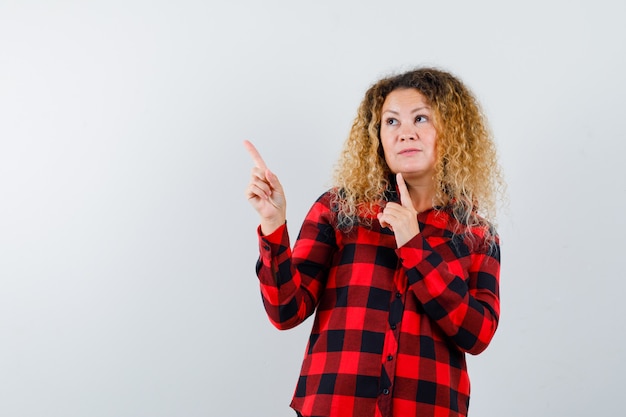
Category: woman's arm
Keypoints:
(292, 282)
(467, 309)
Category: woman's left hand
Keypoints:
(401, 218)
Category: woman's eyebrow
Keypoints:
(415, 110)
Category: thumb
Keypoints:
(405, 197)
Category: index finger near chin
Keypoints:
(256, 156)
(405, 197)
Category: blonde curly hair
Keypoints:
(467, 175)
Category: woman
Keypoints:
(399, 260)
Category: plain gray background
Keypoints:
(127, 247)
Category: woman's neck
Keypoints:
(422, 194)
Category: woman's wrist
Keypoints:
(269, 226)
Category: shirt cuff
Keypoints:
(271, 243)
(414, 251)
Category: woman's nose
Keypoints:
(407, 135)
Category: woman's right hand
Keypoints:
(265, 193)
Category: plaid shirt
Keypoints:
(393, 324)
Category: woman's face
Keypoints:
(407, 134)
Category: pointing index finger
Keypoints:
(405, 197)
(256, 156)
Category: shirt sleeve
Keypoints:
(292, 281)
(466, 308)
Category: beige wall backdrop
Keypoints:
(127, 247)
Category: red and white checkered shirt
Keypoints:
(392, 325)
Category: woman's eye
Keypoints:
(391, 121)
(421, 119)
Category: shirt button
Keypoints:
(390, 357)
(386, 391)
(266, 247)
(398, 295)
(393, 327)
